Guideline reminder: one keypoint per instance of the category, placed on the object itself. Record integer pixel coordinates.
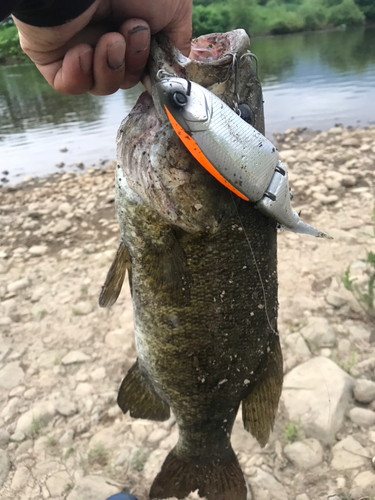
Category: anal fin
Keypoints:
(137, 396)
(115, 277)
(260, 406)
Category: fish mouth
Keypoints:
(209, 61)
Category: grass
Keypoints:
(364, 293)
(293, 432)
(98, 455)
(36, 425)
(348, 363)
(139, 459)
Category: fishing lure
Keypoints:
(233, 151)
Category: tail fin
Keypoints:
(178, 478)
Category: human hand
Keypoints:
(87, 55)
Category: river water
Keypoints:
(309, 80)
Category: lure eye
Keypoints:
(179, 98)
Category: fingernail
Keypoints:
(85, 61)
(116, 54)
(139, 39)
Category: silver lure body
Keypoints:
(241, 154)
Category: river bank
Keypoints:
(62, 358)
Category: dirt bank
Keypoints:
(62, 358)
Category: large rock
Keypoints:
(11, 375)
(39, 416)
(364, 485)
(305, 454)
(4, 467)
(266, 487)
(92, 488)
(349, 454)
(316, 394)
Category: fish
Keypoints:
(202, 268)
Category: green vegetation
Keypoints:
(279, 16)
(364, 290)
(9, 44)
(293, 432)
(255, 16)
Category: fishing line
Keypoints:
(256, 265)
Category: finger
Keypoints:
(73, 73)
(137, 34)
(109, 64)
(179, 30)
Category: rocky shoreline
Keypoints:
(62, 358)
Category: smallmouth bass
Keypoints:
(202, 266)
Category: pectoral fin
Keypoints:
(168, 270)
(115, 277)
(260, 406)
(137, 396)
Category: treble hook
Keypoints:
(234, 67)
(162, 73)
(253, 56)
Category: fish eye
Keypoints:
(179, 98)
(246, 113)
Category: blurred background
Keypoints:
(316, 64)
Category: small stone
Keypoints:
(39, 416)
(61, 226)
(297, 344)
(302, 496)
(349, 454)
(157, 435)
(362, 417)
(20, 478)
(364, 390)
(123, 458)
(18, 437)
(351, 142)
(359, 332)
(319, 333)
(58, 483)
(74, 357)
(335, 300)
(265, 487)
(98, 374)
(4, 438)
(4, 467)
(83, 308)
(38, 250)
(11, 375)
(18, 285)
(92, 488)
(65, 407)
(348, 181)
(64, 149)
(305, 454)
(344, 346)
(118, 339)
(84, 389)
(364, 485)
(67, 438)
(65, 208)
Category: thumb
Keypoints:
(179, 30)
